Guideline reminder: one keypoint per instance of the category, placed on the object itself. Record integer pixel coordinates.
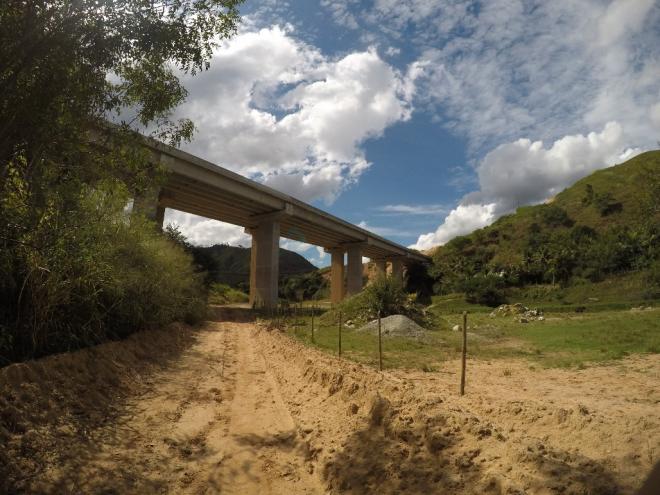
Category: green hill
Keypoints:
(231, 264)
(605, 224)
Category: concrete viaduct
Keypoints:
(202, 188)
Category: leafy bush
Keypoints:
(653, 280)
(555, 216)
(79, 275)
(384, 295)
(419, 282)
(303, 287)
(606, 204)
(484, 289)
(224, 294)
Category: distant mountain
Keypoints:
(607, 222)
(231, 264)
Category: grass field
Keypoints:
(563, 339)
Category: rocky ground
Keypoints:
(232, 408)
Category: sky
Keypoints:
(421, 120)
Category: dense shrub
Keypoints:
(311, 285)
(652, 280)
(419, 282)
(555, 216)
(383, 295)
(484, 289)
(81, 275)
(73, 269)
(224, 294)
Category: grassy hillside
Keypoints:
(231, 264)
(604, 225)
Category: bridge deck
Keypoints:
(202, 188)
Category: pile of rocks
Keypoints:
(521, 313)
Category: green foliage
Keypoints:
(578, 237)
(484, 289)
(73, 269)
(652, 280)
(303, 287)
(555, 216)
(603, 202)
(385, 295)
(606, 204)
(419, 282)
(83, 275)
(224, 294)
(588, 195)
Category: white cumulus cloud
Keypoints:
(461, 220)
(499, 70)
(276, 109)
(524, 172)
(206, 232)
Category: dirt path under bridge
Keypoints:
(234, 409)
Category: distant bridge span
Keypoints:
(202, 188)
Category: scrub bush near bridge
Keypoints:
(384, 296)
(89, 274)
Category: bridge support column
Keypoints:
(264, 263)
(381, 267)
(253, 267)
(354, 270)
(397, 270)
(336, 275)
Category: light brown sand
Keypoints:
(235, 409)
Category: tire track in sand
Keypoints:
(212, 422)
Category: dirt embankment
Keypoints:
(231, 408)
(594, 431)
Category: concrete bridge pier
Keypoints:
(336, 275)
(264, 264)
(353, 269)
(381, 267)
(397, 270)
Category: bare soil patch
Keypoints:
(232, 408)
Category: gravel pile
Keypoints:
(395, 326)
(522, 313)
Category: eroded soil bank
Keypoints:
(233, 408)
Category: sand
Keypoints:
(231, 408)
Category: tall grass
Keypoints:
(75, 275)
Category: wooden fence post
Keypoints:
(340, 334)
(464, 353)
(380, 346)
(313, 323)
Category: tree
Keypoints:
(66, 68)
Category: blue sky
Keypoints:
(425, 119)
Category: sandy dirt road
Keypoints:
(213, 421)
(232, 408)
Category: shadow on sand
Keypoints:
(388, 457)
(57, 413)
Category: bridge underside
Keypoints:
(202, 188)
